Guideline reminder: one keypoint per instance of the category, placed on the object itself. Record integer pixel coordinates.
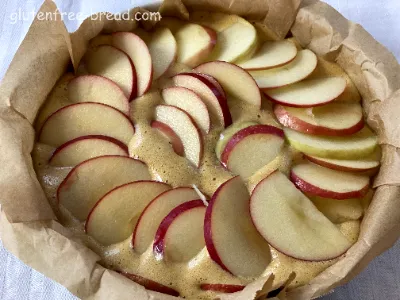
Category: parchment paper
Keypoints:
(29, 228)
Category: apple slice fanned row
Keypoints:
(354, 146)
(86, 147)
(114, 64)
(230, 235)
(155, 212)
(180, 235)
(333, 119)
(299, 230)
(308, 93)
(213, 97)
(185, 128)
(235, 81)
(114, 216)
(323, 182)
(251, 148)
(298, 69)
(87, 182)
(270, 55)
(83, 119)
(190, 102)
(92, 88)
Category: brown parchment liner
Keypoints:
(29, 228)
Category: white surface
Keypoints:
(381, 280)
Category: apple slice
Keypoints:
(234, 80)
(185, 128)
(138, 52)
(339, 211)
(353, 146)
(155, 212)
(252, 148)
(319, 181)
(230, 235)
(87, 182)
(222, 288)
(163, 50)
(215, 101)
(195, 43)
(271, 55)
(190, 102)
(83, 148)
(235, 42)
(167, 131)
(227, 134)
(298, 69)
(180, 234)
(369, 163)
(87, 118)
(333, 119)
(114, 64)
(214, 82)
(289, 221)
(115, 215)
(150, 284)
(101, 39)
(308, 93)
(92, 88)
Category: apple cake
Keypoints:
(199, 156)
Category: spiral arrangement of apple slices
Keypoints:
(116, 196)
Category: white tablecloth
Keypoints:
(381, 279)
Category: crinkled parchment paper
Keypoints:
(29, 228)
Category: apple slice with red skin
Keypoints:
(88, 118)
(227, 134)
(323, 182)
(229, 233)
(195, 43)
(151, 284)
(87, 182)
(167, 131)
(190, 102)
(299, 68)
(155, 212)
(185, 128)
(333, 119)
(180, 234)
(114, 216)
(252, 148)
(222, 288)
(92, 88)
(83, 148)
(289, 221)
(215, 101)
(114, 64)
(370, 163)
(308, 93)
(235, 81)
(138, 52)
(214, 82)
(271, 55)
